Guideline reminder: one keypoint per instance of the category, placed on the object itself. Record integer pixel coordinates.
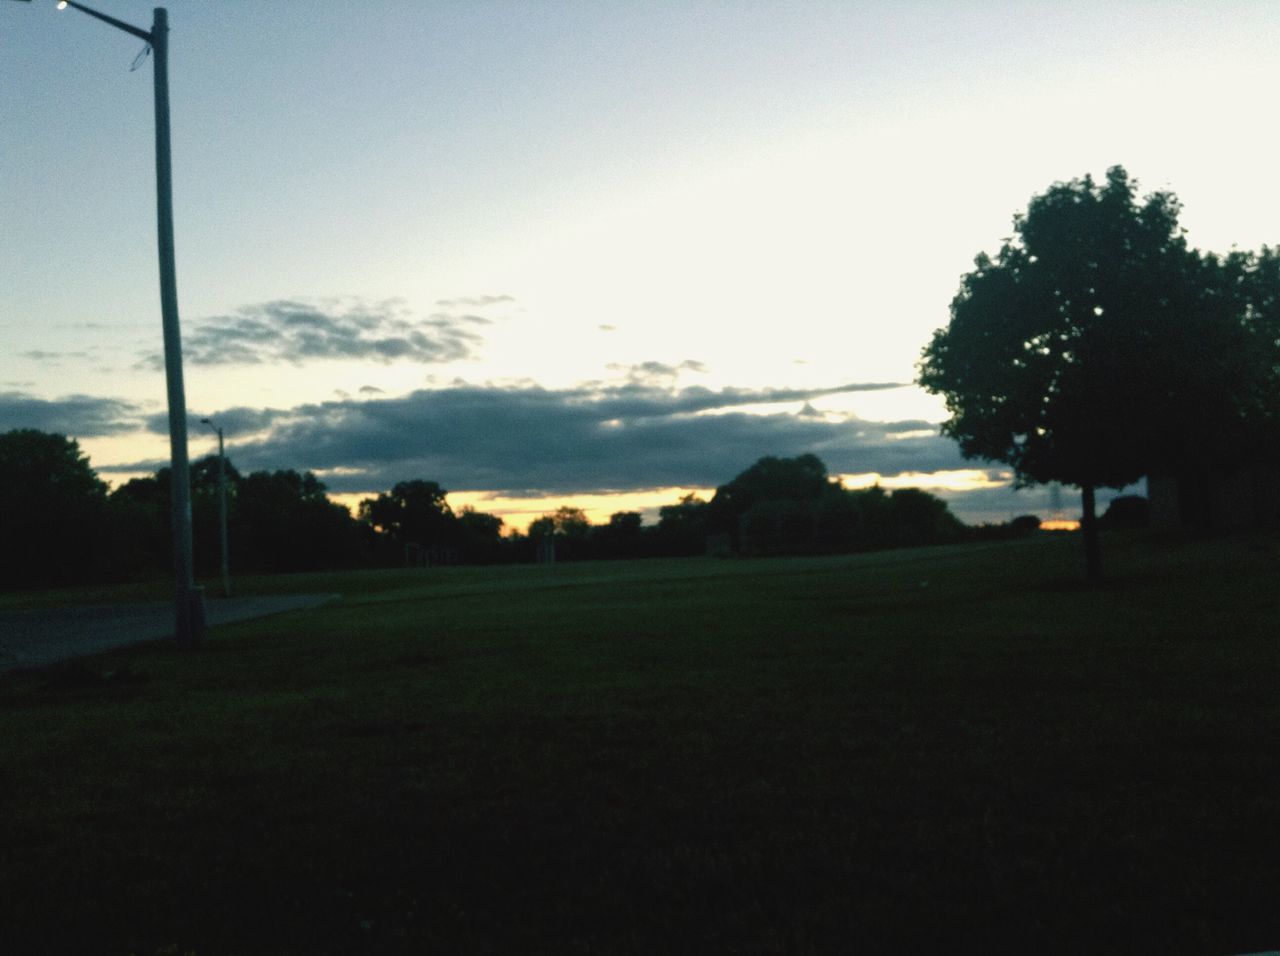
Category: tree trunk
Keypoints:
(1092, 543)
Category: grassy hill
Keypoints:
(960, 747)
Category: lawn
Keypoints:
(960, 748)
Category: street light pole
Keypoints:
(189, 603)
(222, 506)
(189, 623)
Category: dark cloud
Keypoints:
(42, 356)
(234, 421)
(76, 416)
(478, 301)
(299, 332)
(526, 439)
(657, 372)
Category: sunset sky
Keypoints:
(577, 253)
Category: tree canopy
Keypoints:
(415, 512)
(55, 508)
(1052, 360)
(1096, 346)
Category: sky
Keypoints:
(597, 254)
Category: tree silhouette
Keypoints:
(565, 522)
(140, 513)
(289, 524)
(803, 478)
(415, 512)
(1077, 354)
(622, 537)
(682, 527)
(479, 537)
(1248, 290)
(54, 520)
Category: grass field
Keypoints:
(951, 749)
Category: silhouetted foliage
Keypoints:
(682, 527)
(919, 518)
(415, 512)
(791, 506)
(622, 537)
(288, 524)
(479, 537)
(141, 518)
(53, 526)
(282, 521)
(1241, 413)
(205, 511)
(570, 530)
(770, 479)
(1127, 511)
(1023, 526)
(1095, 346)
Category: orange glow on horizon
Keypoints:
(517, 513)
(1060, 524)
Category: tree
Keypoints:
(682, 527)
(565, 522)
(289, 524)
(206, 511)
(622, 537)
(568, 527)
(479, 536)
(1249, 288)
(803, 478)
(1077, 354)
(920, 518)
(141, 520)
(415, 512)
(52, 525)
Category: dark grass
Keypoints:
(957, 748)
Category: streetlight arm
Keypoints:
(118, 24)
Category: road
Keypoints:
(33, 637)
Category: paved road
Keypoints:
(37, 636)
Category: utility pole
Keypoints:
(189, 621)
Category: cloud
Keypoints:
(657, 372)
(77, 416)
(479, 301)
(39, 355)
(233, 421)
(299, 332)
(522, 438)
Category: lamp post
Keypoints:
(222, 506)
(189, 604)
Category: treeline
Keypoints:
(62, 524)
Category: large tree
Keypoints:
(800, 479)
(414, 512)
(285, 522)
(1248, 289)
(1092, 347)
(52, 524)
